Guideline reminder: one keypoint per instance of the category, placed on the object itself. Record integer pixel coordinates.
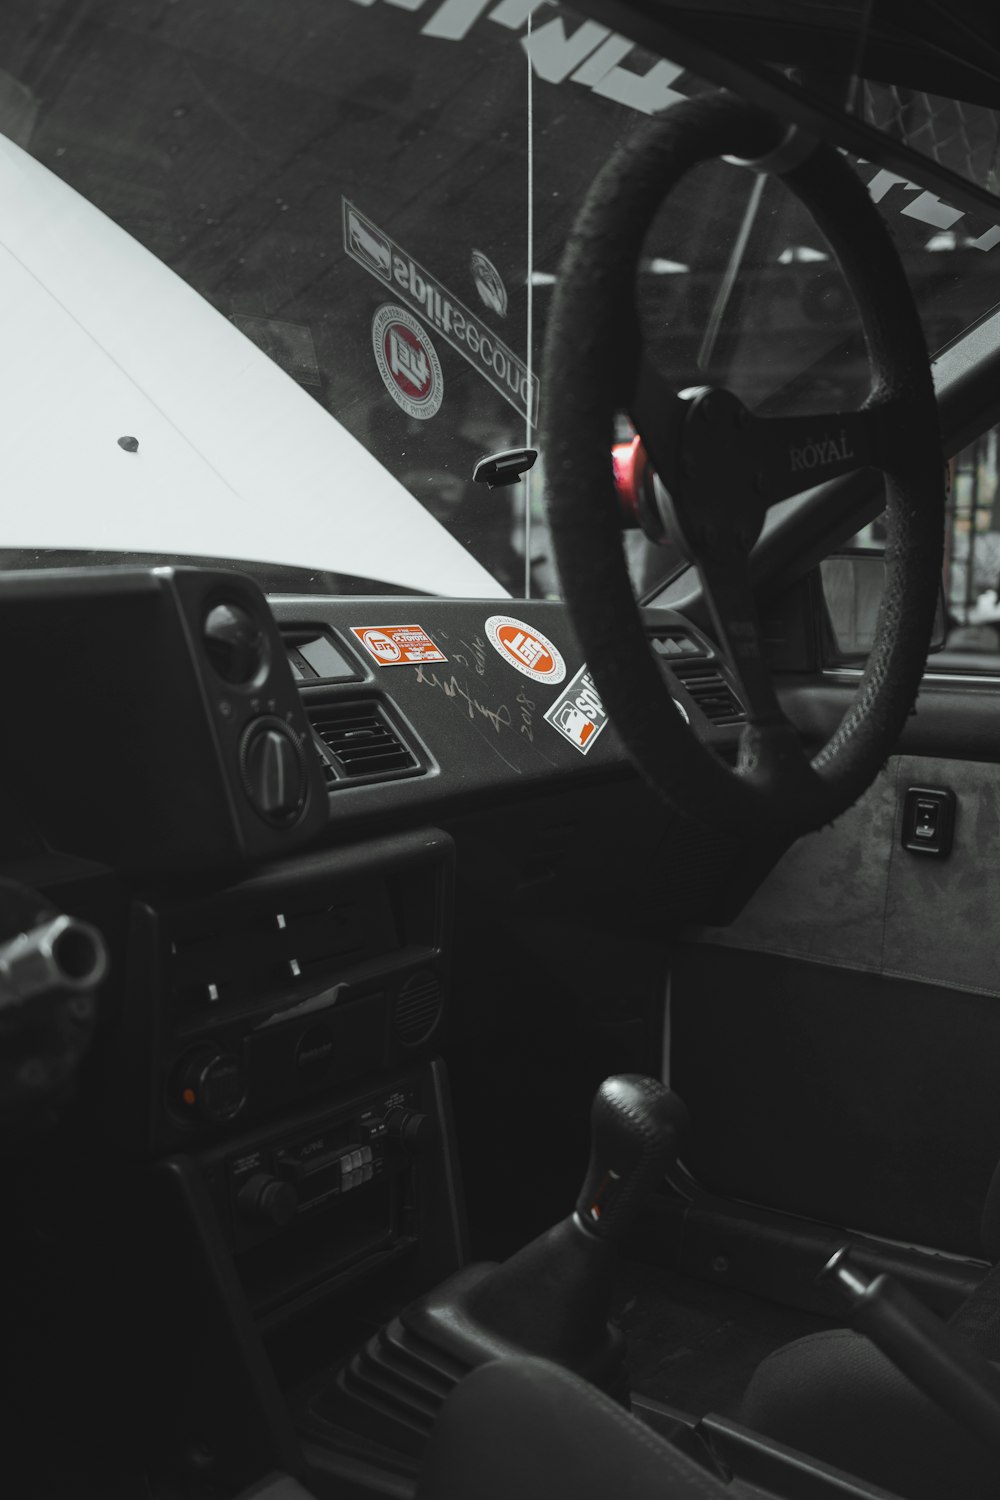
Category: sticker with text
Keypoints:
(526, 649)
(397, 645)
(463, 329)
(578, 712)
(407, 362)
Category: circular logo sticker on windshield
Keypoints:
(489, 283)
(407, 361)
(524, 648)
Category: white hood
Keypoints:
(101, 341)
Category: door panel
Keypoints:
(839, 1044)
(852, 896)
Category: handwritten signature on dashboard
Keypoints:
(477, 648)
(500, 716)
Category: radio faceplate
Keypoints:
(323, 1198)
(293, 1174)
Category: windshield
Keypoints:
(371, 197)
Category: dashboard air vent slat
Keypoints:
(359, 740)
(711, 692)
(671, 644)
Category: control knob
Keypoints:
(209, 1084)
(412, 1131)
(264, 1199)
(274, 773)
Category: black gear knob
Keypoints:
(635, 1125)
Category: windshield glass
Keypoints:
(365, 202)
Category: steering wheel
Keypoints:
(723, 468)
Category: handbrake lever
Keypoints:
(927, 1351)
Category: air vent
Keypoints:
(710, 690)
(671, 644)
(418, 1008)
(358, 741)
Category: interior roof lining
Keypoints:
(688, 40)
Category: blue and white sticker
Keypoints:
(578, 713)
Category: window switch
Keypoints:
(928, 820)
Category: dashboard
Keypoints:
(212, 727)
(321, 839)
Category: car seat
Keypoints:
(835, 1396)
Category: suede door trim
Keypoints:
(851, 896)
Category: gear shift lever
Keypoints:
(634, 1125)
(552, 1298)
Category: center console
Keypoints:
(286, 1084)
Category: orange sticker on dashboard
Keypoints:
(397, 645)
(525, 648)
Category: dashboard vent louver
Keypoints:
(672, 644)
(358, 741)
(712, 693)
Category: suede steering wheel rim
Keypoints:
(724, 468)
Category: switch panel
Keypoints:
(928, 820)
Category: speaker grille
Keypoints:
(418, 1008)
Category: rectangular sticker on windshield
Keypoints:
(397, 645)
(578, 712)
(389, 263)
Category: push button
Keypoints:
(925, 824)
(928, 820)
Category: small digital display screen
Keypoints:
(321, 658)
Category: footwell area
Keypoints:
(695, 1345)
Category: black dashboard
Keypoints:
(337, 850)
(211, 727)
(478, 717)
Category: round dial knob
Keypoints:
(413, 1131)
(234, 643)
(209, 1084)
(264, 1199)
(274, 773)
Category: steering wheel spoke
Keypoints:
(775, 760)
(726, 582)
(790, 454)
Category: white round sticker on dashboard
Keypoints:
(525, 648)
